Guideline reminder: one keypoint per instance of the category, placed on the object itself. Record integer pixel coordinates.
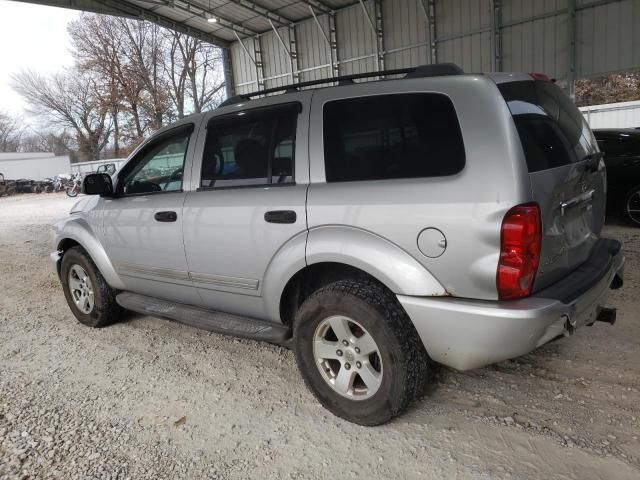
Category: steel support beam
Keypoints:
(571, 52)
(257, 51)
(126, 9)
(319, 25)
(256, 59)
(222, 21)
(318, 5)
(431, 12)
(290, 49)
(333, 44)
(496, 35)
(264, 12)
(293, 54)
(227, 67)
(379, 34)
(376, 28)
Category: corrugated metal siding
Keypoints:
(471, 19)
(535, 37)
(356, 41)
(408, 45)
(313, 50)
(535, 46)
(244, 71)
(610, 38)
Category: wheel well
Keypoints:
(312, 278)
(66, 244)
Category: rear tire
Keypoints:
(90, 298)
(632, 205)
(381, 385)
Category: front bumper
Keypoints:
(466, 334)
(55, 258)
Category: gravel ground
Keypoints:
(151, 399)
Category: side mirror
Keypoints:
(98, 184)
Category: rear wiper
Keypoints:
(593, 161)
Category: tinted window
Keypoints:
(158, 167)
(392, 136)
(551, 128)
(250, 148)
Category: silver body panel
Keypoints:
(221, 254)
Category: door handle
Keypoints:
(578, 199)
(166, 216)
(280, 216)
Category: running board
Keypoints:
(206, 319)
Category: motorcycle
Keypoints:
(61, 181)
(75, 185)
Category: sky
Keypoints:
(31, 37)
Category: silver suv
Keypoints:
(374, 227)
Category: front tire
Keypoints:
(90, 298)
(358, 352)
(632, 205)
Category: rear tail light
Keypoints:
(520, 242)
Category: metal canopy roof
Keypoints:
(235, 18)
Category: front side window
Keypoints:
(160, 166)
(250, 148)
(392, 136)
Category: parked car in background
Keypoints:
(621, 148)
(109, 168)
(373, 227)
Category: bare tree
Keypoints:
(144, 51)
(193, 69)
(69, 100)
(99, 46)
(60, 143)
(11, 132)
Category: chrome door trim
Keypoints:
(224, 281)
(135, 270)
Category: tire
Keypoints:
(632, 205)
(103, 309)
(72, 191)
(397, 373)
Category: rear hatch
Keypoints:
(566, 172)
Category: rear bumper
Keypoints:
(466, 334)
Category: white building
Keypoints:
(613, 115)
(33, 166)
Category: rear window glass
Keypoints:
(392, 136)
(551, 128)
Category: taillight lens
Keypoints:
(520, 242)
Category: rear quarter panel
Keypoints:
(467, 207)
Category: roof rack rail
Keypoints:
(422, 71)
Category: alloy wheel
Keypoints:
(81, 289)
(347, 357)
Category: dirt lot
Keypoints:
(152, 399)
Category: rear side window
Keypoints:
(250, 148)
(392, 136)
(551, 128)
